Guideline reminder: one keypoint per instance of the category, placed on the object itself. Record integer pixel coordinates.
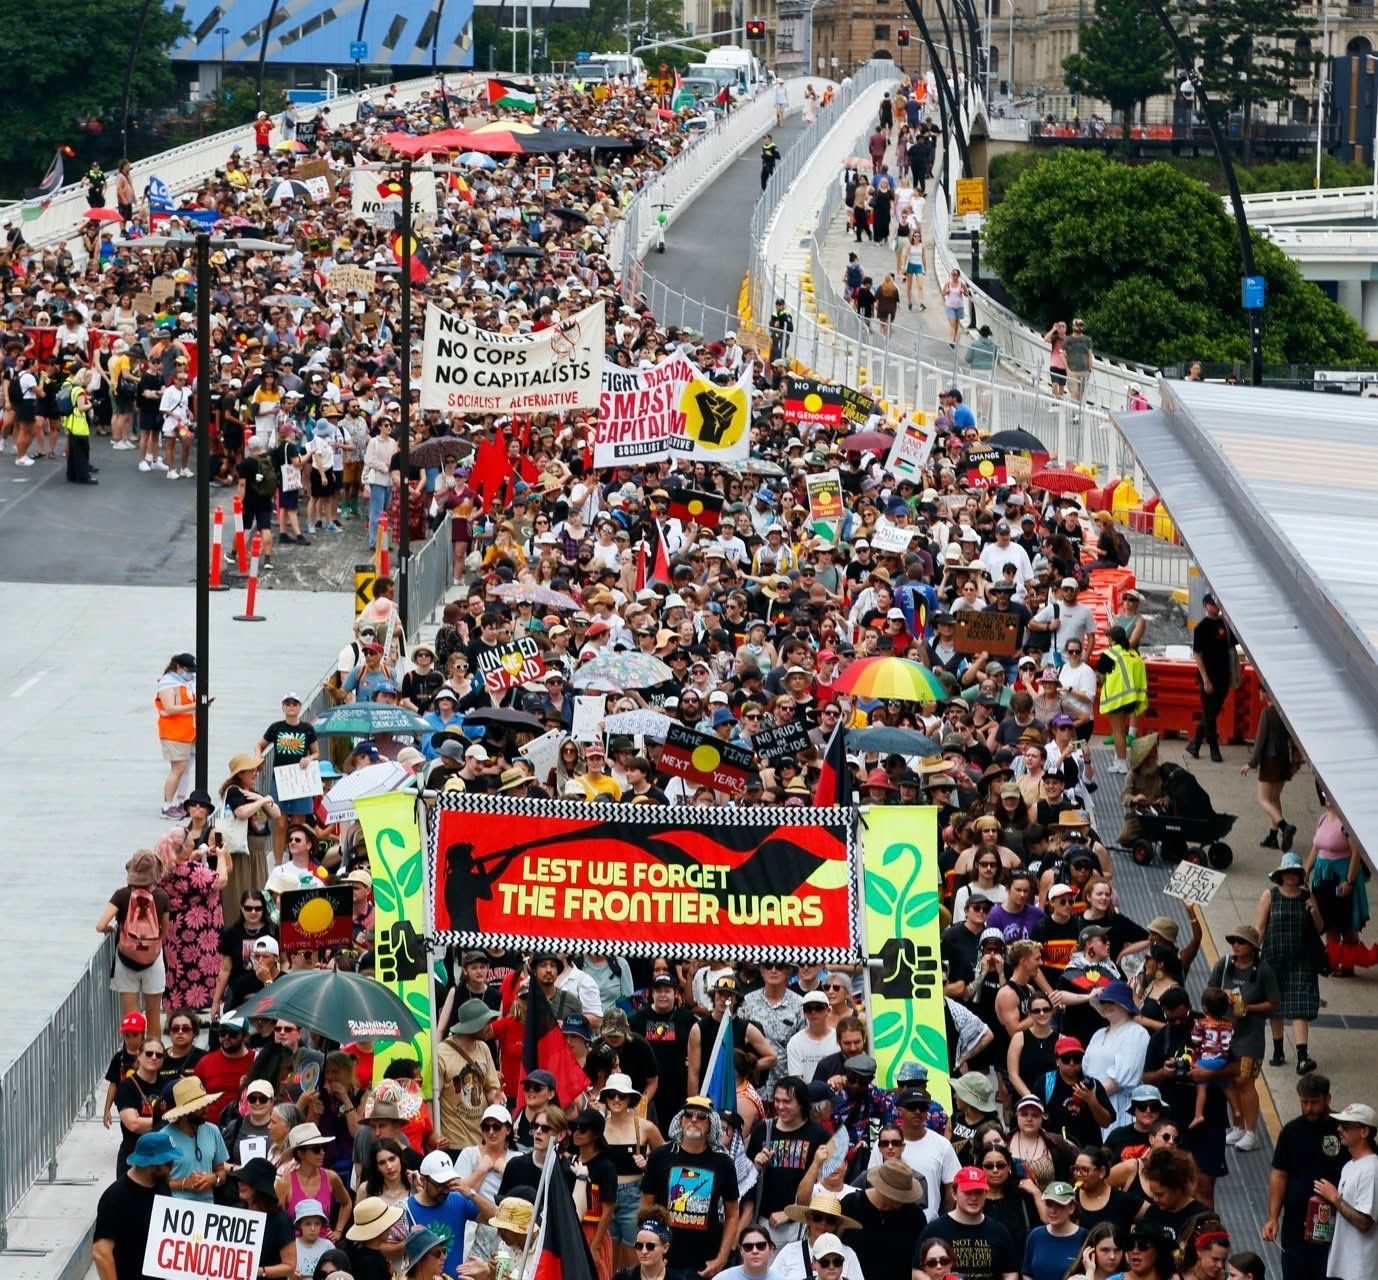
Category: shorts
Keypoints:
(173, 751)
(259, 518)
(1250, 1068)
(322, 485)
(1207, 1146)
(289, 499)
(914, 269)
(297, 808)
(1058, 377)
(139, 982)
(955, 313)
(171, 431)
(623, 1227)
(124, 404)
(352, 472)
(26, 411)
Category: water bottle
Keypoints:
(503, 1260)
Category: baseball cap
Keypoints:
(1060, 1192)
(1356, 1113)
(264, 947)
(132, 1022)
(438, 1167)
(497, 1111)
(815, 1000)
(544, 1078)
(971, 1179)
(476, 752)
(1061, 890)
(1068, 1044)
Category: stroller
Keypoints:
(1187, 826)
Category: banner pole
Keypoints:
(428, 919)
(861, 811)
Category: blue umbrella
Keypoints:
(477, 160)
(894, 742)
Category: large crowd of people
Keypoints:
(1094, 1105)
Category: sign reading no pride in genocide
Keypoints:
(188, 1240)
(470, 370)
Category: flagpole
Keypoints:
(428, 917)
(552, 1158)
(404, 444)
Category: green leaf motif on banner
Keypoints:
(881, 895)
(409, 876)
(920, 910)
(929, 1046)
(420, 1007)
(384, 899)
(895, 852)
(889, 1029)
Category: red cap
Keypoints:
(134, 1022)
(1068, 1044)
(598, 628)
(971, 1179)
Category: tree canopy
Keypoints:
(63, 61)
(1123, 57)
(1150, 260)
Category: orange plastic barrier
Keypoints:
(1174, 703)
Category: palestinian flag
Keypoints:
(704, 509)
(507, 93)
(420, 258)
(544, 1049)
(559, 1248)
(37, 199)
(835, 780)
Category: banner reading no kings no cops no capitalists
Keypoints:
(465, 369)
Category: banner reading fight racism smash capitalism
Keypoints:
(670, 411)
(465, 369)
(675, 880)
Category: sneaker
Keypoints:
(172, 474)
(1119, 766)
(1305, 1065)
(1233, 1136)
(174, 811)
(332, 527)
(1194, 750)
(159, 464)
(1247, 1142)
(145, 465)
(23, 462)
(265, 566)
(310, 528)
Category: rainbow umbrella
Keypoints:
(290, 144)
(897, 678)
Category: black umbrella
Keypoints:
(504, 716)
(521, 251)
(432, 453)
(341, 1006)
(609, 143)
(1019, 440)
(570, 215)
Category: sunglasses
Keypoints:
(646, 1246)
(816, 1218)
(1072, 1058)
(891, 1142)
(755, 1246)
(248, 906)
(696, 1115)
(832, 1260)
(153, 1053)
(1147, 1105)
(937, 1262)
(491, 1126)
(183, 1026)
(541, 1128)
(834, 986)
(257, 1099)
(1042, 1009)
(995, 1166)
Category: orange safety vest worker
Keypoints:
(172, 727)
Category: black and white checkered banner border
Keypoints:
(766, 817)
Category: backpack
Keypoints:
(65, 400)
(265, 480)
(140, 938)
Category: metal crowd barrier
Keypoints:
(53, 1081)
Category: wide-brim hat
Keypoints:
(514, 1214)
(373, 1217)
(823, 1202)
(189, 1095)
(895, 1180)
(1119, 993)
(306, 1135)
(472, 1016)
(1141, 748)
(621, 1083)
(260, 1175)
(1291, 861)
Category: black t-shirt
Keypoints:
(235, 941)
(885, 1240)
(694, 1189)
(635, 1058)
(668, 1036)
(174, 1069)
(139, 1096)
(121, 1066)
(1214, 642)
(602, 1185)
(1169, 1222)
(1179, 1092)
(792, 1153)
(1127, 1142)
(277, 1235)
(1306, 1150)
(982, 1252)
(1118, 1211)
(290, 742)
(260, 482)
(123, 1216)
(522, 1170)
(961, 949)
(1070, 1117)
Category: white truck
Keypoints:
(627, 67)
(750, 73)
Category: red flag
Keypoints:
(544, 1049)
(641, 565)
(561, 1250)
(835, 778)
(491, 469)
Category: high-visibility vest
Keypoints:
(176, 728)
(1126, 684)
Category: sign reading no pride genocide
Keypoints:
(470, 370)
(188, 1240)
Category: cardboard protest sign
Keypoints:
(145, 304)
(810, 401)
(188, 1240)
(985, 468)
(1194, 883)
(781, 741)
(643, 879)
(471, 370)
(313, 918)
(347, 278)
(705, 761)
(910, 453)
(589, 710)
(306, 131)
(162, 288)
(986, 632)
(505, 666)
(857, 409)
(543, 753)
(295, 782)
(319, 179)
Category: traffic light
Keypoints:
(902, 36)
(755, 30)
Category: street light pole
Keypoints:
(1241, 221)
(203, 507)
(222, 32)
(404, 443)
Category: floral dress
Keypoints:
(193, 935)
